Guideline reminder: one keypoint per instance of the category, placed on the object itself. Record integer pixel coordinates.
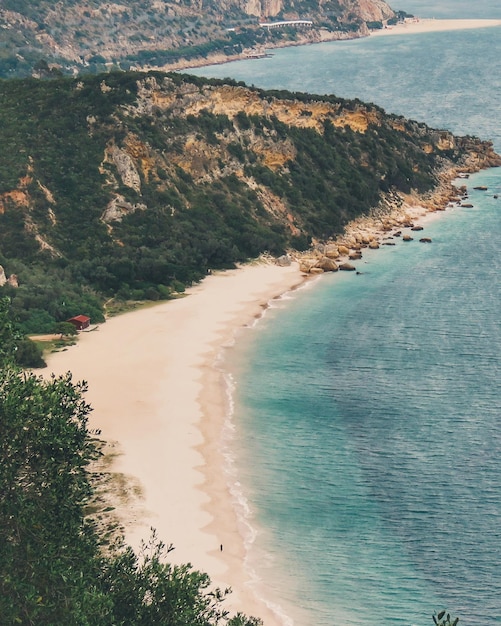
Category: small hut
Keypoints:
(81, 322)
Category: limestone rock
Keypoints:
(328, 265)
(306, 265)
(331, 251)
(284, 260)
(118, 208)
(126, 168)
(373, 245)
(347, 267)
(370, 10)
(13, 281)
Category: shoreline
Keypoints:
(413, 27)
(432, 25)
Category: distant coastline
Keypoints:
(411, 27)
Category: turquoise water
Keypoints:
(368, 409)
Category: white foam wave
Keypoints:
(241, 504)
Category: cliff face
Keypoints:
(347, 10)
(367, 10)
(90, 33)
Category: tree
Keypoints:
(14, 348)
(8, 333)
(146, 590)
(66, 329)
(47, 547)
(28, 354)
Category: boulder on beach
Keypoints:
(327, 265)
(407, 238)
(347, 267)
(284, 260)
(373, 245)
(331, 251)
(305, 265)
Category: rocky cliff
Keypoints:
(131, 185)
(86, 35)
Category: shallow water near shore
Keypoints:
(367, 407)
(369, 432)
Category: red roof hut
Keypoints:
(81, 322)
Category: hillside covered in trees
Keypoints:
(92, 35)
(131, 186)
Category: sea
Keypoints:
(364, 442)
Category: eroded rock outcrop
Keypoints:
(118, 208)
(12, 280)
(125, 167)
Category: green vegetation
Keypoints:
(14, 346)
(105, 194)
(53, 568)
(92, 37)
(443, 619)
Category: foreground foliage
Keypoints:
(444, 619)
(52, 569)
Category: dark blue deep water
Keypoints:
(368, 408)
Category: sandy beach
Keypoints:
(159, 401)
(418, 26)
